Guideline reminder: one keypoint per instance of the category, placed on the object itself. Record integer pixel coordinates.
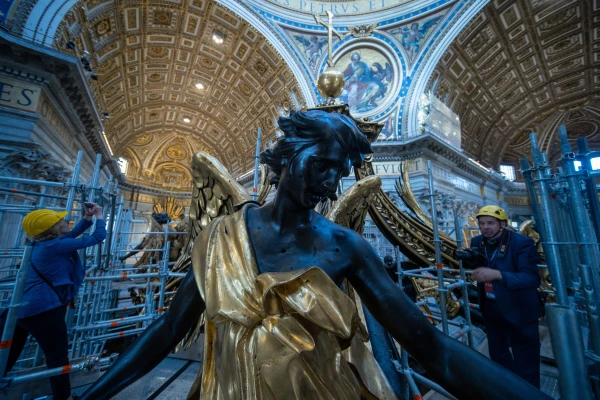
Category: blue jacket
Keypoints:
(516, 293)
(58, 261)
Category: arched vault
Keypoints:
(169, 71)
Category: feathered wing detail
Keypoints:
(215, 193)
(305, 42)
(264, 183)
(429, 24)
(350, 210)
(362, 30)
(404, 190)
(414, 238)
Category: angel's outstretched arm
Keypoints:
(444, 358)
(157, 341)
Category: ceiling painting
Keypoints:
(368, 74)
(413, 34)
(311, 46)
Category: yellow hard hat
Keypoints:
(39, 221)
(493, 211)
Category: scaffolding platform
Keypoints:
(172, 379)
(40, 387)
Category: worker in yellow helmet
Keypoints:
(505, 267)
(52, 282)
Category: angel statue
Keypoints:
(269, 281)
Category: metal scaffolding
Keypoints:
(96, 317)
(447, 279)
(565, 200)
(566, 212)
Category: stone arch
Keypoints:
(135, 166)
(44, 19)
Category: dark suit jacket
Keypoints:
(516, 294)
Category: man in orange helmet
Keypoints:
(505, 269)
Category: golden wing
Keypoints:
(526, 229)
(215, 193)
(404, 190)
(371, 28)
(350, 210)
(413, 237)
(264, 184)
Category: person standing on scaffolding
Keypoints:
(506, 272)
(52, 283)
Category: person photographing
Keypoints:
(505, 268)
(53, 280)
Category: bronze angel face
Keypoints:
(313, 175)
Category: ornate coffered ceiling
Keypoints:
(170, 89)
(521, 66)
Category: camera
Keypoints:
(466, 254)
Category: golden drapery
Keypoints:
(281, 335)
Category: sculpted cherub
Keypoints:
(268, 280)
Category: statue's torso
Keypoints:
(320, 244)
(284, 331)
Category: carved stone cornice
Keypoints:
(514, 189)
(33, 163)
(64, 79)
(430, 146)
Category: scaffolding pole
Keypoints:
(561, 214)
(438, 251)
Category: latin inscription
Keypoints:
(17, 94)
(338, 8)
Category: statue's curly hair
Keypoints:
(304, 129)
